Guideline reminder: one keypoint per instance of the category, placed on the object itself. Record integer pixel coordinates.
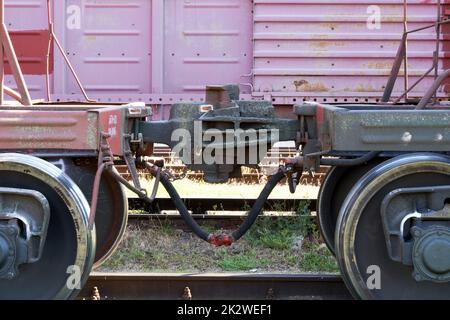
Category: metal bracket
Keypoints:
(131, 163)
(405, 208)
(24, 219)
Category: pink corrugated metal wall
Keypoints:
(206, 42)
(109, 44)
(27, 15)
(333, 49)
(161, 51)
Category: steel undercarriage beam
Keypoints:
(225, 124)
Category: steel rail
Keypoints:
(201, 206)
(225, 286)
(222, 221)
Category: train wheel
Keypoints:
(393, 230)
(332, 194)
(112, 208)
(67, 247)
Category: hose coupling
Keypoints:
(295, 162)
(220, 240)
(294, 170)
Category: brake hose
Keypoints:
(223, 239)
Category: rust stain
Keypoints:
(92, 131)
(392, 18)
(320, 44)
(305, 86)
(326, 44)
(47, 130)
(364, 88)
(40, 137)
(321, 36)
(380, 65)
(328, 25)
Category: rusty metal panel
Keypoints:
(337, 50)
(116, 122)
(112, 122)
(48, 129)
(364, 128)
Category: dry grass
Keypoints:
(198, 189)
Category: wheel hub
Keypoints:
(4, 251)
(431, 254)
(9, 243)
(419, 239)
(23, 227)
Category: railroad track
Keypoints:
(249, 175)
(219, 213)
(219, 221)
(122, 286)
(201, 206)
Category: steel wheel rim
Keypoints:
(112, 208)
(324, 208)
(71, 196)
(335, 188)
(118, 234)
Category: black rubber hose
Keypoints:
(184, 212)
(247, 223)
(259, 205)
(349, 162)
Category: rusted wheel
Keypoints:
(112, 209)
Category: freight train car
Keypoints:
(161, 51)
(384, 209)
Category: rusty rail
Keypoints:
(201, 206)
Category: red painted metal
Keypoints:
(8, 50)
(57, 129)
(112, 122)
(31, 50)
(50, 127)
